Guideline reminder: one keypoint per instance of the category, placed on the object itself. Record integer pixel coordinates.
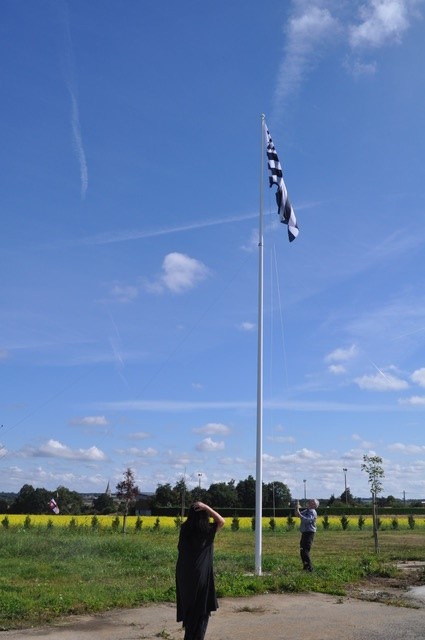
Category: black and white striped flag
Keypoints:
(284, 207)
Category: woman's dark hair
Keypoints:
(197, 521)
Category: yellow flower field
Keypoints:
(168, 522)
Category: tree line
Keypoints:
(128, 499)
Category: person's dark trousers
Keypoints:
(305, 546)
(198, 630)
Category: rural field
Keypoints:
(62, 565)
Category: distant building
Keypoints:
(143, 504)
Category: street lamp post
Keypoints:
(345, 484)
(305, 492)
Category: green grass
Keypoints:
(50, 573)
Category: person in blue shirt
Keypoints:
(308, 528)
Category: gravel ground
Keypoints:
(309, 616)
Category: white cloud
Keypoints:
(247, 326)
(124, 292)
(418, 376)
(308, 454)
(213, 428)
(91, 421)
(338, 356)
(341, 355)
(138, 435)
(358, 68)
(382, 21)
(210, 445)
(138, 453)
(252, 242)
(415, 401)
(381, 382)
(180, 273)
(281, 439)
(55, 449)
(365, 444)
(300, 456)
(284, 438)
(315, 24)
(336, 369)
(408, 449)
(311, 26)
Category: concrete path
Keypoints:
(288, 617)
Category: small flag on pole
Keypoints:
(284, 207)
(53, 505)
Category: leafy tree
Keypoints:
(223, 494)
(23, 502)
(276, 494)
(200, 494)
(391, 501)
(165, 496)
(347, 497)
(372, 465)
(69, 502)
(30, 500)
(104, 504)
(246, 492)
(127, 492)
(184, 496)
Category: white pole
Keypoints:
(259, 466)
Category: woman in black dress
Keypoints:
(195, 589)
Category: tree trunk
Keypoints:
(124, 520)
(375, 524)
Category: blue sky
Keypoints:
(130, 169)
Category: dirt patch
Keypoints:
(398, 591)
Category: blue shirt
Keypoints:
(308, 521)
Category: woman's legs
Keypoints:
(198, 630)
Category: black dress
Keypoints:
(195, 588)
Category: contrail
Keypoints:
(78, 142)
(124, 236)
(70, 78)
(380, 371)
(115, 341)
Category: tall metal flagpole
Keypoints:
(259, 454)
